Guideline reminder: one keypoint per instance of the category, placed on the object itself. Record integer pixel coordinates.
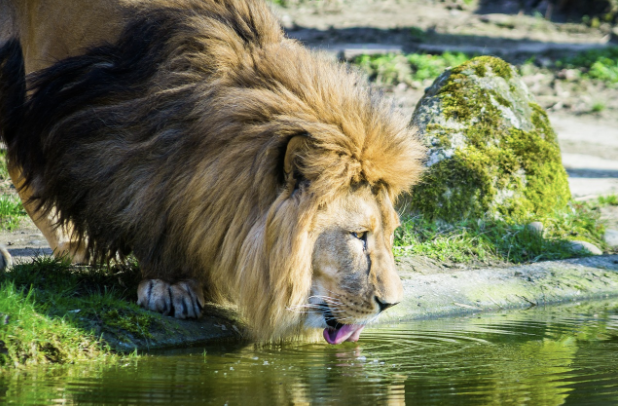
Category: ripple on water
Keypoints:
(553, 356)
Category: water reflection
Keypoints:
(554, 356)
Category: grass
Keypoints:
(600, 64)
(500, 241)
(392, 69)
(11, 209)
(52, 312)
(598, 107)
(611, 200)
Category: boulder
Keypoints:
(578, 246)
(536, 228)
(492, 150)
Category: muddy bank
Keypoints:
(217, 324)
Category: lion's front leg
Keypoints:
(183, 300)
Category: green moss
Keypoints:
(462, 102)
(135, 323)
(441, 134)
(494, 167)
(481, 64)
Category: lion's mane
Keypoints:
(171, 144)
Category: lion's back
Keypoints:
(52, 30)
(114, 146)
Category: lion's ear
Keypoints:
(295, 146)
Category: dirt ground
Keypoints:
(589, 142)
(347, 27)
(385, 21)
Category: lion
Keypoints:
(233, 163)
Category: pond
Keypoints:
(542, 356)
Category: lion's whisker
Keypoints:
(327, 299)
(322, 297)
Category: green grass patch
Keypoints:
(600, 64)
(4, 171)
(52, 312)
(392, 69)
(610, 200)
(502, 241)
(11, 209)
(598, 107)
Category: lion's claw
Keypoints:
(185, 299)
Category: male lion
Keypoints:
(217, 151)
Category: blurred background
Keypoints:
(565, 50)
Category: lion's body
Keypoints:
(176, 144)
(51, 30)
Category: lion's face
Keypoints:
(354, 274)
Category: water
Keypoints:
(564, 355)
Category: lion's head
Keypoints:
(354, 275)
(329, 232)
(214, 148)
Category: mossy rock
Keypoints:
(492, 150)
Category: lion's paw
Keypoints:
(185, 299)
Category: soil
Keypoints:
(589, 141)
(388, 22)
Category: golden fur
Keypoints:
(236, 157)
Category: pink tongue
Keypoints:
(347, 332)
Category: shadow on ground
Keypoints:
(556, 10)
(413, 39)
(592, 173)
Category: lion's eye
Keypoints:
(363, 237)
(360, 236)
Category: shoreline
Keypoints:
(431, 293)
(54, 314)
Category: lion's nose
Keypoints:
(384, 305)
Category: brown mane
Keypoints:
(172, 143)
